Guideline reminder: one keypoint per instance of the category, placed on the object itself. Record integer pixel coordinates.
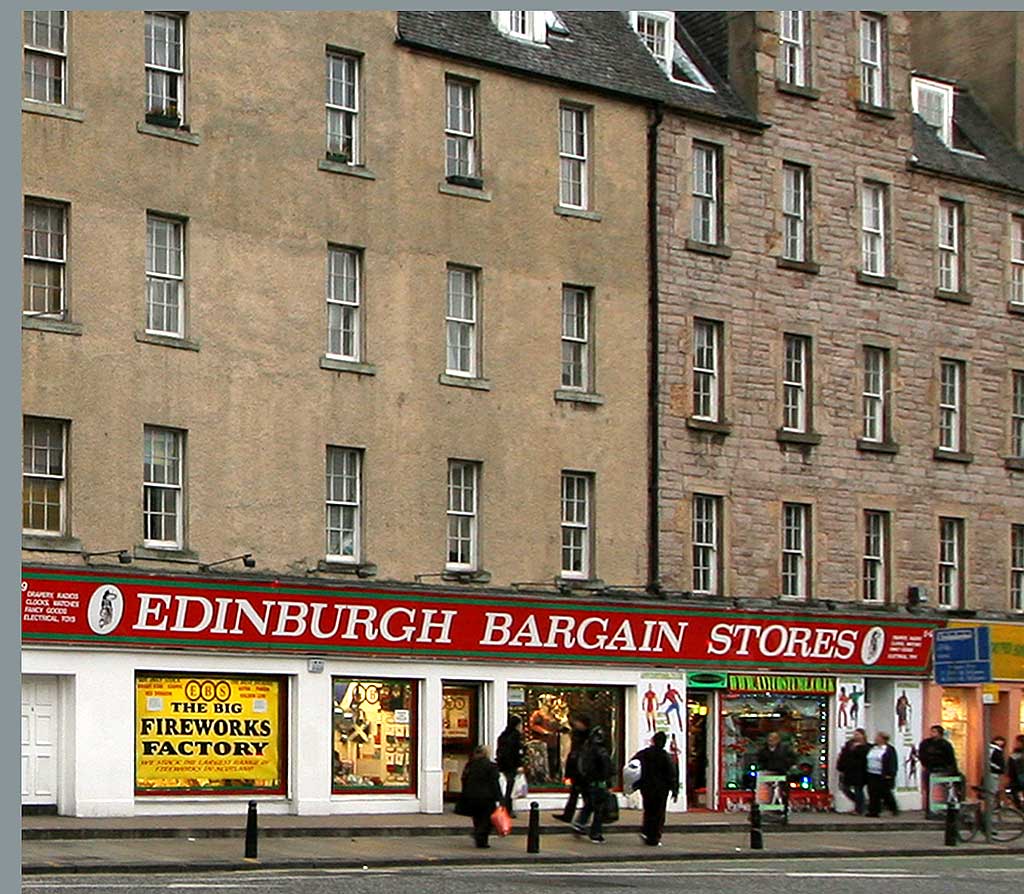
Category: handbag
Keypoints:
(501, 821)
(610, 809)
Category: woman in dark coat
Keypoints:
(853, 768)
(481, 793)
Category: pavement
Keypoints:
(58, 844)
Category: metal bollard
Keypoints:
(251, 832)
(533, 831)
(952, 814)
(756, 835)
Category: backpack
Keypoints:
(585, 759)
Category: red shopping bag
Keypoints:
(501, 821)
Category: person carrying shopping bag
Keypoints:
(481, 793)
(659, 777)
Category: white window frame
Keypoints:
(1017, 414)
(795, 182)
(573, 156)
(951, 405)
(1017, 261)
(660, 21)
(55, 56)
(874, 236)
(175, 440)
(33, 444)
(462, 327)
(706, 223)
(875, 565)
(577, 534)
(794, 48)
(344, 304)
(34, 239)
(927, 97)
(1017, 568)
(342, 106)
(162, 279)
(576, 335)
(950, 562)
(950, 226)
(175, 73)
(875, 394)
(460, 127)
(463, 476)
(707, 369)
(706, 536)
(531, 25)
(872, 47)
(795, 552)
(343, 494)
(796, 404)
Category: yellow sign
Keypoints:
(1007, 649)
(201, 734)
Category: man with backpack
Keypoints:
(594, 764)
(509, 758)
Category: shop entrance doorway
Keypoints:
(697, 729)
(39, 725)
(460, 732)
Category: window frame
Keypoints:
(950, 567)
(356, 505)
(801, 574)
(1017, 568)
(470, 137)
(707, 554)
(473, 515)
(1017, 414)
(949, 246)
(350, 114)
(875, 557)
(178, 437)
(472, 275)
(571, 158)
(713, 375)
(666, 23)
(873, 91)
(872, 231)
(796, 46)
(60, 264)
(875, 401)
(704, 201)
(918, 86)
(354, 308)
(1017, 261)
(795, 218)
(569, 525)
(177, 74)
(584, 343)
(58, 57)
(797, 387)
(952, 415)
(153, 276)
(63, 506)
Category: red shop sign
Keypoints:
(139, 610)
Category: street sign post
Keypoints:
(963, 656)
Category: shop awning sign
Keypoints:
(133, 611)
(962, 656)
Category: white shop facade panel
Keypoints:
(150, 694)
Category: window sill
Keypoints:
(168, 133)
(882, 282)
(1014, 463)
(797, 90)
(1017, 309)
(449, 189)
(718, 428)
(466, 577)
(464, 382)
(952, 456)
(890, 447)
(359, 569)
(803, 438)
(52, 110)
(340, 167)
(578, 397)
(47, 324)
(166, 341)
(708, 248)
(954, 297)
(585, 584)
(465, 182)
(580, 213)
(43, 544)
(877, 111)
(802, 266)
(185, 556)
(336, 364)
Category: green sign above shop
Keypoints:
(781, 684)
(706, 680)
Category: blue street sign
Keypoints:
(962, 655)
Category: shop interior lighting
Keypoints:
(246, 558)
(123, 556)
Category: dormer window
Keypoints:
(933, 101)
(653, 30)
(657, 31)
(529, 24)
(519, 24)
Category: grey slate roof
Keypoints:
(709, 30)
(601, 52)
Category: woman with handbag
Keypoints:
(481, 793)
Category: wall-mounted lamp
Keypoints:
(916, 595)
(123, 556)
(246, 558)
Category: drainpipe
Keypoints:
(653, 357)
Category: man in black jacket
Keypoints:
(659, 776)
(937, 757)
(510, 758)
(580, 731)
(594, 764)
(853, 768)
(882, 766)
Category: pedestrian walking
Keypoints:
(774, 758)
(659, 777)
(1015, 770)
(578, 735)
(937, 758)
(853, 768)
(996, 764)
(594, 763)
(510, 758)
(481, 793)
(882, 762)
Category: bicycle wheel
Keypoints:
(968, 822)
(1007, 823)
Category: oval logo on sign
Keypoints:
(106, 606)
(873, 646)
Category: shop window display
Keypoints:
(954, 719)
(546, 713)
(374, 735)
(800, 721)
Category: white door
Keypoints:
(39, 740)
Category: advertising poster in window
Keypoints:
(906, 733)
(208, 735)
(661, 702)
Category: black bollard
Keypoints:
(756, 836)
(250, 833)
(533, 830)
(952, 815)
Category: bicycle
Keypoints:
(1007, 822)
